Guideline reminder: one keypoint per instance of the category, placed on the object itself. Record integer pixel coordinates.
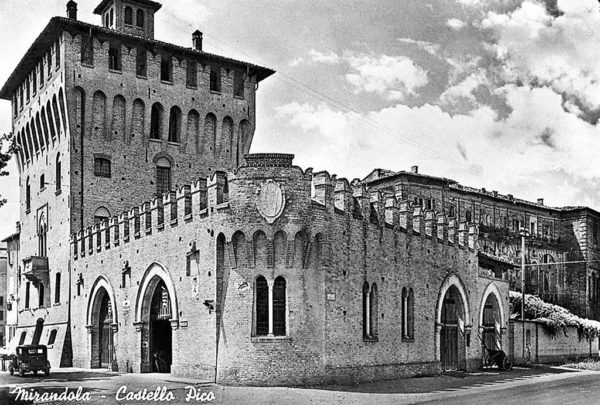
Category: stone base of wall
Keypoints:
(358, 374)
(202, 374)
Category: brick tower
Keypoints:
(107, 117)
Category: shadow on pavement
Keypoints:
(443, 382)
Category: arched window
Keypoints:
(373, 301)
(163, 176)
(58, 179)
(156, 121)
(369, 311)
(128, 16)
(57, 288)
(139, 18)
(175, 124)
(261, 295)
(408, 323)
(23, 334)
(279, 304)
(366, 310)
(101, 214)
(27, 195)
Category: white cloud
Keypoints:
(470, 3)
(561, 52)
(456, 24)
(465, 88)
(330, 58)
(429, 47)
(394, 76)
(524, 153)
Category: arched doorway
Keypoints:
(102, 320)
(452, 340)
(157, 335)
(491, 323)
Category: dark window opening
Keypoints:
(163, 180)
(174, 124)
(42, 181)
(58, 54)
(139, 19)
(141, 63)
(128, 16)
(215, 78)
(155, 121)
(238, 84)
(23, 334)
(102, 167)
(41, 296)
(41, 73)
(52, 337)
(166, 69)
(87, 51)
(114, 57)
(468, 215)
(58, 173)
(192, 74)
(262, 306)
(49, 59)
(27, 294)
(279, 301)
(27, 195)
(57, 289)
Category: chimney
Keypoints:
(72, 10)
(541, 201)
(414, 169)
(510, 197)
(197, 40)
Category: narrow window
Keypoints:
(163, 176)
(49, 58)
(114, 57)
(34, 81)
(192, 74)
(112, 17)
(106, 20)
(27, 195)
(279, 301)
(42, 181)
(58, 172)
(407, 314)
(102, 167)
(262, 306)
(373, 299)
(41, 65)
(215, 78)
(41, 296)
(238, 84)
(42, 240)
(57, 288)
(87, 50)
(27, 89)
(128, 16)
(139, 19)
(141, 63)
(52, 337)
(174, 124)
(366, 310)
(468, 215)
(24, 333)
(27, 294)
(155, 121)
(57, 54)
(166, 68)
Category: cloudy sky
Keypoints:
(499, 94)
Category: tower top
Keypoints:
(129, 16)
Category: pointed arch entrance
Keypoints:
(102, 325)
(453, 324)
(491, 319)
(156, 314)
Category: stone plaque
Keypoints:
(271, 200)
(183, 324)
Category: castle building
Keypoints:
(150, 240)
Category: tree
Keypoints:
(8, 147)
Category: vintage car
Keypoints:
(32, 358)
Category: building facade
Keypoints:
(151, 240)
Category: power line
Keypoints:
(290, 81)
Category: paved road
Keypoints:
(529, 386)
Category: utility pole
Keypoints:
(523, 234)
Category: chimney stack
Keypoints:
(414, 169)
(72, 10)
(541, 201)
(197, 40)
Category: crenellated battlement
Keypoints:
(208, 196)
